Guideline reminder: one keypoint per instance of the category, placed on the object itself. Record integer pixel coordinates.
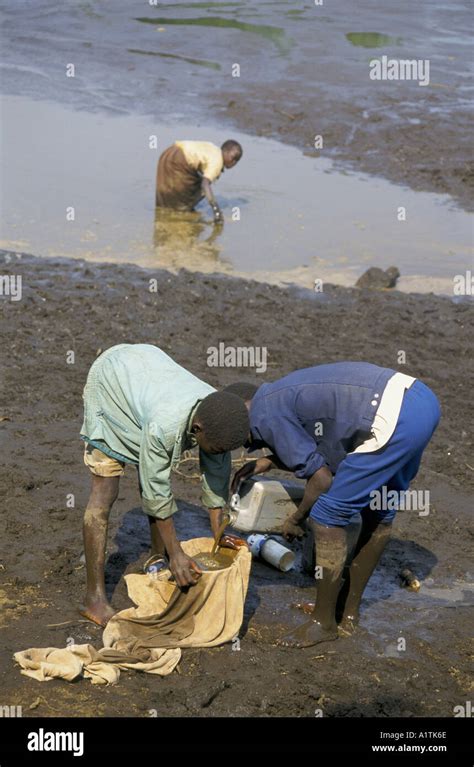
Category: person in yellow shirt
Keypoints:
(187, 169)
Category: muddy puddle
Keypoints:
(82, 185)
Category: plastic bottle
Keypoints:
(268, 548)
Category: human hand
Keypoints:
(184, 570)
(259, 466)
(291, 529)
(232, 542)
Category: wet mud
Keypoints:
(82, 307)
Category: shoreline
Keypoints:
(406, 166)
(300, 278)
(413, 162)
(278, 238)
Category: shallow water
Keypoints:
(299, 219)
(271, 40)
(276, 35)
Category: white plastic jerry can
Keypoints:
(262, 504)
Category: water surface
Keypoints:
(287, 216)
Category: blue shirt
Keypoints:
(138, 407)
(315, 416)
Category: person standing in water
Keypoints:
(187, 170)
(142, 408)
(349, 429)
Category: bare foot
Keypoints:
(98, 612)
(307, 635)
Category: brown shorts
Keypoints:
(178, 185)
(102, 465)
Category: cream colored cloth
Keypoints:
(203, 156)
(388, 413)
(149, 637)
(46, 663)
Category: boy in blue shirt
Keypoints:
(142, 408)
(349, 429)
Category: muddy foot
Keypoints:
(307, 635)
(98, 612)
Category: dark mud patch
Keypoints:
(429, 154)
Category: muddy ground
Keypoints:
(434, 156)
(71, 305)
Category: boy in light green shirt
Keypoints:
(142, 408)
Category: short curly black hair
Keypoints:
(233, 148)
(224, 421)
(242, 389)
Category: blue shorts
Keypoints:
(393, 466)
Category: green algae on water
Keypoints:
(199, 5)
(371, 39)
(276, 35)
(198, 62)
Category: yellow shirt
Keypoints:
(204, 157)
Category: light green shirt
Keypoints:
(140, 404)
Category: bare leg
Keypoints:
(372, 541)
(353, 531)
(331, 553)
(96, 518)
